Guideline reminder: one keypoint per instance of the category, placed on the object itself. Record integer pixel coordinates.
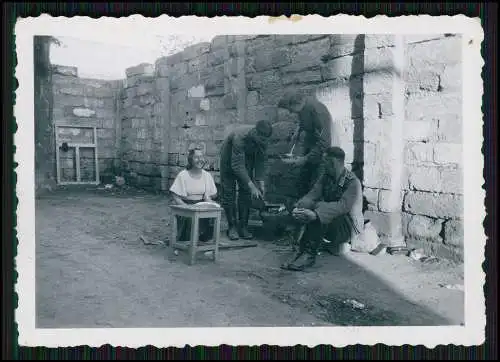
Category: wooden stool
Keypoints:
(195, 213)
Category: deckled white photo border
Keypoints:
(473, 333)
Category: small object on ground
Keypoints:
(149, 242)
(416, 254)
(379, 249)
(354, 303)
(237, 244)
(119, 180)
(108, 186)
(367, 240)
(429, 259)
(176, 252)
(393, 250)
(452, 286)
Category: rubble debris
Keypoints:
(354, 303)
(379, 249)
(452, 286)
(395, 250)
(151, 242)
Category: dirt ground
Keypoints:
(92, 270)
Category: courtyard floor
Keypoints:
(93, 270)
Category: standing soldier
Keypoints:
(242, 161)
(316, 122)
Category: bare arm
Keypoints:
(178, 200)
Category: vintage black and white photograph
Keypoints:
(192, 177)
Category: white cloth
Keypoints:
(193, 188)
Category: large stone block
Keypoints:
(237, 48)
(218, 42)
(235, 66)
(104, 133)
(307, 55)
(141, 69)
(217, 57)
(377, 177)
(418, 153)
(259, 44)
(451, 78)
(271, 59)
(428, 79)
(215, 78)
(65, 70)
(448, 153)
(371, 196)
(102, 112)
(418, 131)
(342, 39)
(378, 59)
(446, 50)
(259, 80)
(198, 63)
(436, 179)
(378, 106)
(377, 82)
(255, 114)
(196, 50)
(338, 68)
(434, 204)
(454, 232)
(425, 227)
(74, 91)
(308, 76)
(379, 40)
(390, 200)
(252, 98)
(230, 101)
(449, 128)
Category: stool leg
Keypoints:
(217, 238)
(173, 240)
(194, 239)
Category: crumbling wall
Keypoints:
(80, 102)
(433, 202)
(141, 136)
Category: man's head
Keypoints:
(293, 101)
(262, 131)
(334, 159)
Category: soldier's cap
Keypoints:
(335, 152)
(264, 128)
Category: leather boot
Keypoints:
(232, 232)
(244, 214)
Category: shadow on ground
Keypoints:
(92, 270)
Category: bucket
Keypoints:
(366, 241)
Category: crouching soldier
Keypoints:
(332, 210)
(242, 162)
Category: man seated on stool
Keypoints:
(332, 209)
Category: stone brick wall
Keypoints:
(80, 102)
(433, 189)
(141, 131)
